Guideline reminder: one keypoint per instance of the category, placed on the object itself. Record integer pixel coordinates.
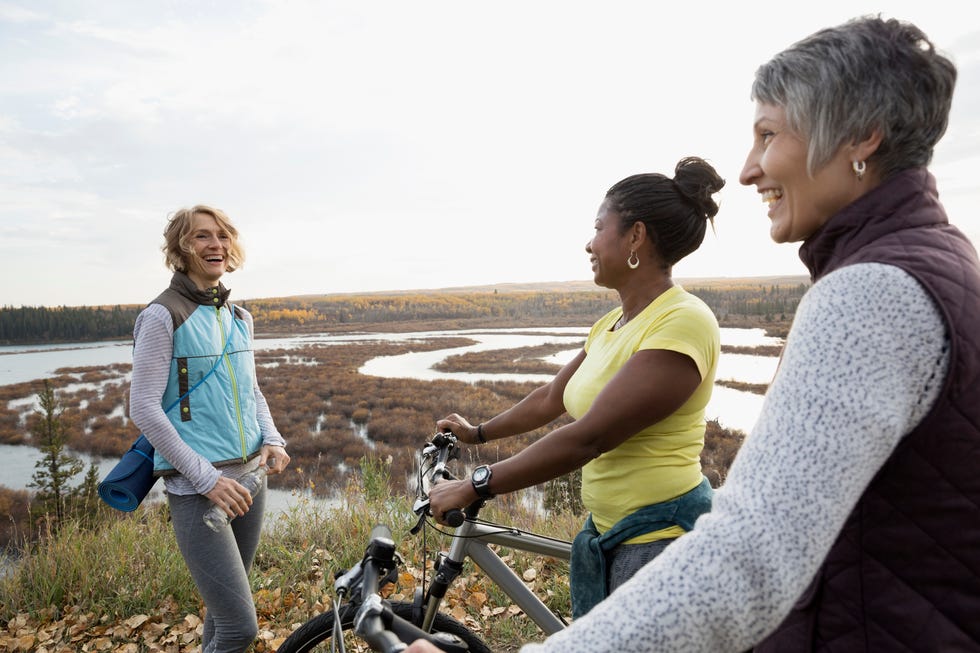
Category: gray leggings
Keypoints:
(219, 564)
(626, 559)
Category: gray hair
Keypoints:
(842, 84)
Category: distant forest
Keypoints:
(771, 301)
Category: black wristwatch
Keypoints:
(481, 481)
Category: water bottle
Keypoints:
(216, 518)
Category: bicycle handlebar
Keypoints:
(369, 622)
(375, 622)
(442, 449)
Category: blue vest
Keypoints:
(218, 419)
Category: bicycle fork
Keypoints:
(448, 568)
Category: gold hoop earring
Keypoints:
(859, 168)
(633, 261)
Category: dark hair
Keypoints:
(675, 211)
(843, 83)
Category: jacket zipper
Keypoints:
(234, 384)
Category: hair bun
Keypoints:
(697, 181)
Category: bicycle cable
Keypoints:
(337, 640)
(501, 530)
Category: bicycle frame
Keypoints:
(473, 539)
(381, 622)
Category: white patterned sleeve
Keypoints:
(862, 365)
(152, 352)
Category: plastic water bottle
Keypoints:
(216, 518)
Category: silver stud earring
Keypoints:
(633, 261)
(859, 168)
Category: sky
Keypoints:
(381, 145)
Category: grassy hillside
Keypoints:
(123, 588)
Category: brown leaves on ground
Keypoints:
(73, 630)
(78, 631)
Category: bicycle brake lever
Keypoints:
(421, 507)
(345, 581)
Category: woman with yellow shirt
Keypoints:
(637, 391)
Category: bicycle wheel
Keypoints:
(315, 634)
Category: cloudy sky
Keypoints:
(385, 145)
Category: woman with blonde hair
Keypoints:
(193, 351)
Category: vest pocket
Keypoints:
(183, 385)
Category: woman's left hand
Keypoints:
(447, 495)
(273, 457)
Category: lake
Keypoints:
(732, 408)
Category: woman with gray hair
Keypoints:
(850, 519)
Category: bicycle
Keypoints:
(401, 621)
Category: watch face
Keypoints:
(480, 474)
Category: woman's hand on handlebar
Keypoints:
(460, 427)
(447, 495)
(422, 646)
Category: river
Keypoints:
(732, 408)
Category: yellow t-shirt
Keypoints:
(663, 461)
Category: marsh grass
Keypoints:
(131, 566)
(122, 567)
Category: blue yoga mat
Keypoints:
(131, 479)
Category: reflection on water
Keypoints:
(746, 368)
(19, 461)
(732, 408)
(418, 365)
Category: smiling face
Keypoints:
(207, 260)
(608, 249)
(799, 203)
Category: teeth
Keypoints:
(771, 195)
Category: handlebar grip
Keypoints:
(454, 517)
(441, 438)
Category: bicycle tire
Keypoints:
(319, 630)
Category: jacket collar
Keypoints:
(216, 296)
(896, 203)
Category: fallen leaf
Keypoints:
(476, 600)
